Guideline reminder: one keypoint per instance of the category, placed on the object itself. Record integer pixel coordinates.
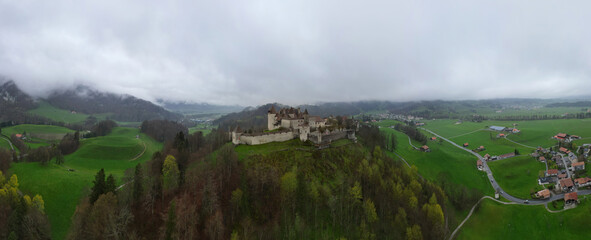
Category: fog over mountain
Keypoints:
(298, 52)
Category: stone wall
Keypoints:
(266, 138)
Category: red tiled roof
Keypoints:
(561, 135)
(578, 164)
(486, 155)
(18, 135)
(567, 183)
(552, 171)
(506, 155)
(564, 150)
(544, 193)
(479, 163)
(563, 175)
(542, 158)
(571, 196)
(466, 144)
(481, 147)
(582, 180)
(433, 138)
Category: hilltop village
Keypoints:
(291, 123)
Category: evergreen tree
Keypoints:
(138, 179)
(110, 185)
(99, 185)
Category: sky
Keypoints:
(296, 52)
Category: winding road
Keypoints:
(496, 186)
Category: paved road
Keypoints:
(565, 166)
(496, 186)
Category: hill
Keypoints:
(124, 108)
(14, 105)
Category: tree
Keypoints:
(414, 233)
(393, 142)
(38, 203)
(110, 184)
(138, 180)
(59, 158)
(170, 173)
(170, 222)
(516, 152)
(99, 185)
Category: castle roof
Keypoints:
(272, 110)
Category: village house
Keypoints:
(420, 124)
(562, 176)
(563, 150)
(560, 136)
(551, 172)
(506, 155)
(515, 130)
(433, 138)
(535, 155)
(571, 198)
(542, 159)
(481, 148)
(479, 165)
(425, 148)
(500, 135)
(583, 182)
(466, 144)
(487, 156)
(546, 180)
(578, 166)
(566, 185)
(543, 194)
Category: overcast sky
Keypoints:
(294, 52)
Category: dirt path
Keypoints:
(465, 134)
(520, 143)
(9, 142)
(141, 154)
(453, 234)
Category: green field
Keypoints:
(533, 133)
(493, 220)
(517, 175)
(444, 158)
(38, 135)
(60, 115)
(61, 189)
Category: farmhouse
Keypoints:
(542, 159)
(487, 156)
(425, 148)
(566, 185)
(420, 124)
(583, 182)
(515, 130)
(479, 165)
(543, 194)
(497, 128)
(571, 198)
(500, 135)
(506, 155)
(562, 176)
(560, 136)
(578, 166)
(433, 138)
(466, 144)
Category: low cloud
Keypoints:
(254, 52)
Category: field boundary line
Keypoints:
(520, 143)
(465, 133)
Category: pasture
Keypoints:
(517, 175)
(38, 135)
(62, 189)
(493, 220)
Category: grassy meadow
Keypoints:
(517, 175)
(493, 220)
(62, 189)
(38, 135)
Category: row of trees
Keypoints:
(412, 132)
(162, 130)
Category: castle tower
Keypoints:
(271, 114)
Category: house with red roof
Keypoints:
(551, 172)
(578, 166)
(583, 182)
(543, 194)
(571, 198)
(425, 148)
(479, 165)
(566, 185)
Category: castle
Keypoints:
(290, 123)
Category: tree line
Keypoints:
(412, 132)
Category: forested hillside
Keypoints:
(124, 107)
(200, 187)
